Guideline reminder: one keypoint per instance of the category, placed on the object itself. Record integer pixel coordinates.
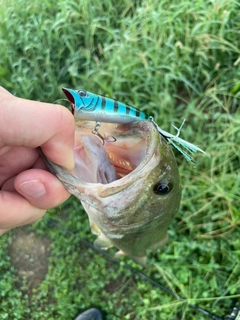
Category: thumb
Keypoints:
(42, 189)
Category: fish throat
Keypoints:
(104, 163)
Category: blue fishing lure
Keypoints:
(90, 106)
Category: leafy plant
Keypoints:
(174, 60)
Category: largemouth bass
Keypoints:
(129, 188)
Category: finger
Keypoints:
(15, 160)
(32, 124)
(40, 188)
(20, 214)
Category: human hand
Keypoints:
(27, 189)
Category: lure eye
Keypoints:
(163, 187)
(82, 93)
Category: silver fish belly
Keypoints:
(129, 188)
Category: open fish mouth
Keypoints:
(98, 162)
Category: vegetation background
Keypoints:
(174, 60)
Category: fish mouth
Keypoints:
(122, 166)
(106, 161)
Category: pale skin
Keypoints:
(27, 189)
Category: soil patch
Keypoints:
(29, 255)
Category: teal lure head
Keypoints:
(81, 100)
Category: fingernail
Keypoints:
(32, 188)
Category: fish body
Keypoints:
(129, 188)
(90, 106)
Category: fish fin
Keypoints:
(94, 228)
(140, 260)
(119, 254)
(102, 242)
(186, 148)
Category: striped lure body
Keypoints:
(90, 106)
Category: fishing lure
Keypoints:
(90, 106)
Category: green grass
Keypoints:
(174, 60)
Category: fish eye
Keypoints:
(163, 187)
(82, 93)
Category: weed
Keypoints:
(173, 60)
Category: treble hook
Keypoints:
(96, 132)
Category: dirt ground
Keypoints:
(29, 255)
